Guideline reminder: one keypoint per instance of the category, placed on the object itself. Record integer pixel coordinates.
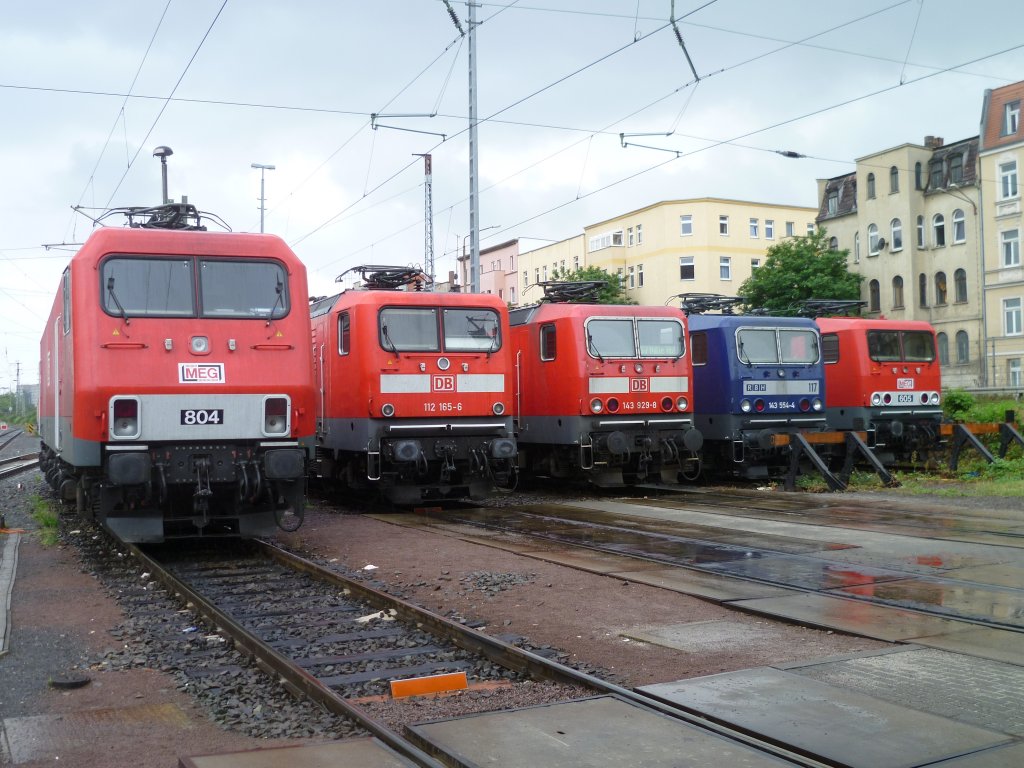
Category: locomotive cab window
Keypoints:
(240, 289)
(547, 342)
(66, 310)
(660, 338)
(918, 346)
(884, 346)
(791, 346)
(471, 330)
(610, 338)
(140, 287)
(405, 329)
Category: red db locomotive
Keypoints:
(415, 389)
(176, 395)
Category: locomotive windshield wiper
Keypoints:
(387, 337)
(593, 347)
(743, 356)
(110, 292)
(278, 301)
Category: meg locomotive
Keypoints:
(176, 395)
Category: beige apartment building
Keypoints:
(911, 220)
(704, 245)
(1001, 149)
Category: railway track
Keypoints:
(338, 642)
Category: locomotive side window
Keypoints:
(139, 287)
(830, 347)
(405, 329)
(610, 338)
(471, 330)
(660, 338)
(547, 342)
(344, 333)
(242, 289)
(699, 348)
(66, 287)
(884, 346)
(918, 346)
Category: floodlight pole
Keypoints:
(474, 192)
(263, 169)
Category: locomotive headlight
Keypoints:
(934, 399)
(443, 363)
(498, 409)
(387, 410)
(200, 345)
(876, 399)
(682, 403)
(745, 406)
(638, 368)
(816, 404)
(596, 405)
(275, 416)
(124, 418)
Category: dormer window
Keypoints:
(956, 169)
(832, 202)
(935, 174)
(1011, 118)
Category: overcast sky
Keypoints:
(88, 90)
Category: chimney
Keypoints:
(933, 142)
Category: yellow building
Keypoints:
(704, 245)
(1001, 151)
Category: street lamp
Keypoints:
(263, 169)
(464, 258)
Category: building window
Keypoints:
(872, 240)
(686, 268)
(790, 229)
(1011, 317)
(935, 172)
(856, 247)
(1013, 373)
(943, 342)
(810, 228)
(723, 225)
(545, 268)
(526, 279)
(871, 186)
(920, 231)
(917, 176)
(939, 230)
(536, 274)
(940, 287)
(832, 202)
(894, 180)
(606, 240)
(639, 234)
(769, 229)
(632, 277)
(511, 294)
(639, 275)
(1011, 118)
(963, 351)
(622, 279)
(833, 243)
(755, 264)
(685, 225)
(629, 236)
(956, 169)
(897, 292)
(753, 228)
(874, 298)
(896, 228)
(576, 262)
(1008, 179)
(922, 290)
(725, 268)
(959, 227)
(960, 286)
(1010, 247)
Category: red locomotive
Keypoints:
(603, 390)
(883, 377)
(415, 389)
(176, 393)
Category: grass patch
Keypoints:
(47, 520)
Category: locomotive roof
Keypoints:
(354, 297)
(872, 323)
(166, 242)
(703, 322)
(548, 311)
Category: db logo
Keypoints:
(639, 385)
(442, 383)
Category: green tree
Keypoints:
(613, 291)
(800, 268)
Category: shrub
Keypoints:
(956, 403)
